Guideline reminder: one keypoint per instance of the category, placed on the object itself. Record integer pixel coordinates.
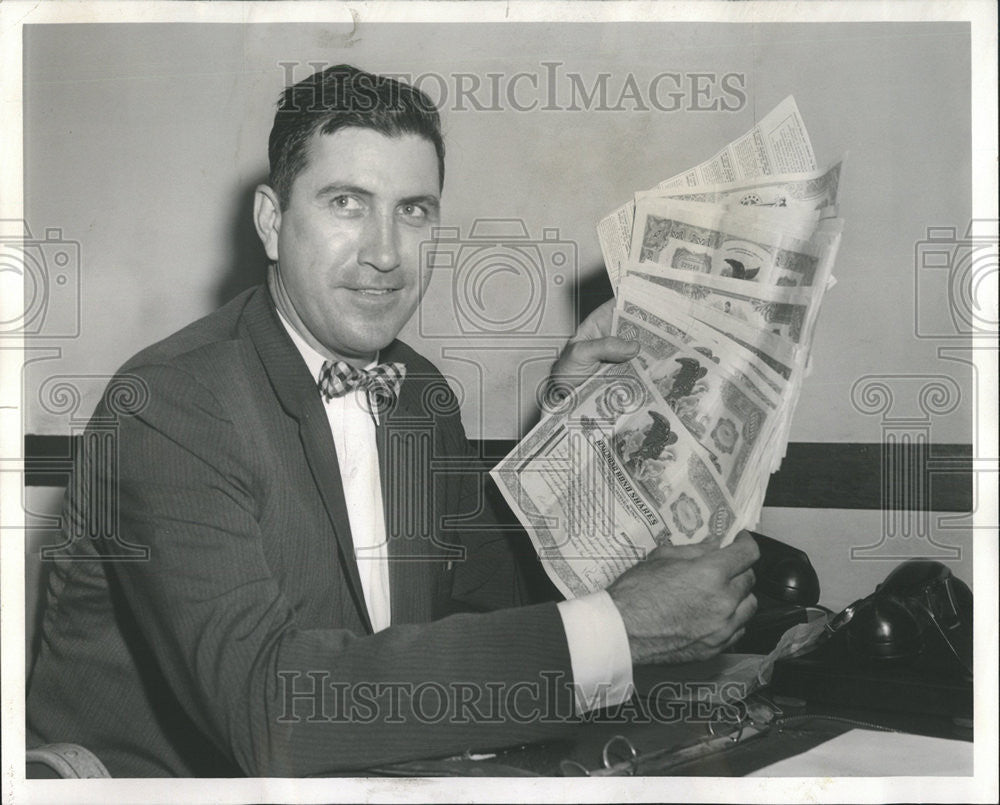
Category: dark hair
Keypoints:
(339, 97)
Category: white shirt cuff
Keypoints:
(598, 651)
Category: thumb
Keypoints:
(582, 355)
(598, 323)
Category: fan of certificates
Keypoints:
(719, 274)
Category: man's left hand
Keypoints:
(590, 346)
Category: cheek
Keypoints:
(416, 246)
(424, 279)
(320, 247)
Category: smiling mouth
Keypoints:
(375, 291)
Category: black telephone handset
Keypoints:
(784, 575)
(906, 647)
(786, 588)
(920, 614)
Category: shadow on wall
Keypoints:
(593, 290)
(248, 265)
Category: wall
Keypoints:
(143, 144)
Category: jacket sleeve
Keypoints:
(283, 700)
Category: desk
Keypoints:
(651, 728)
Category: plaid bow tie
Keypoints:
(382, 382)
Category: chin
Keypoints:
(371, 345)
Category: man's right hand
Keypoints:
(687, 603)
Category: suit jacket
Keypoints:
(205, 615)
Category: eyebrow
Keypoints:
(430, 200)
(335, 189)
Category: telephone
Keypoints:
(920, 612)
(787, 591)
(784, 575)
(906, 646)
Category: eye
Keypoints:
(414, 212)
(346, 204)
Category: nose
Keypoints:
(380, 243)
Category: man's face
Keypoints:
(348, 243)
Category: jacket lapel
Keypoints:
(406, 451)
(298, 395)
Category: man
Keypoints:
(290, 619)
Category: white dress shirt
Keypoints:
(595, 633)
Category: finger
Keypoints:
(734, 639)
(743, 583)
(744, 611)
(734, 623)
(587, 353)
(739, 555)
(721, 638)
(745, 538)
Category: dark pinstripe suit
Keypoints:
(181, 664)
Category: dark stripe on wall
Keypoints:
(905, 477)
(47, 460)
(813, 475)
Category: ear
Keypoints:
(267, 219)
